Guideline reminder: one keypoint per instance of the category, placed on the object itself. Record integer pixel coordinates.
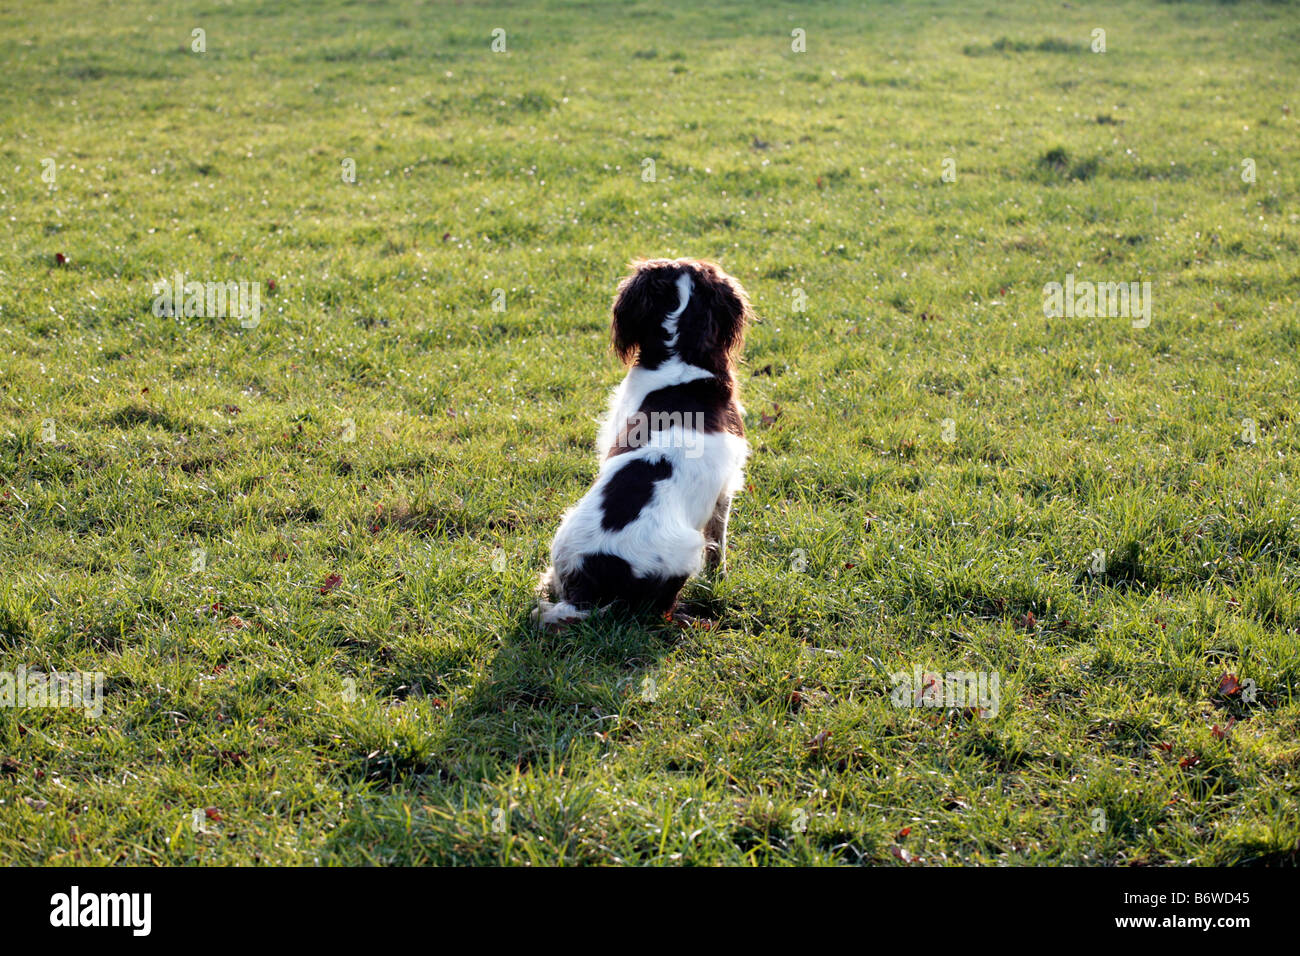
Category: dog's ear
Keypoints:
(718, 332)
(644, 298)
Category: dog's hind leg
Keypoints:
(715, 536)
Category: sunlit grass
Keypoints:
(373, 472)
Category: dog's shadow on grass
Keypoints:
(546, 690)
(547, 704)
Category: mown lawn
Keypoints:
(302, 553)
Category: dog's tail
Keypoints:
(553, 613)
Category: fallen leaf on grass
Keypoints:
(930, 680)
(331, 583)
(1221, 733)
(1229, 686)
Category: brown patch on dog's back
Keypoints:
(710, 400)
(629, 490)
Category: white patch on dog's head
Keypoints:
(684, 287)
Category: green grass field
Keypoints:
(302, 553)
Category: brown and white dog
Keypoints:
(672, 448)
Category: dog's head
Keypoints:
(684, 307)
